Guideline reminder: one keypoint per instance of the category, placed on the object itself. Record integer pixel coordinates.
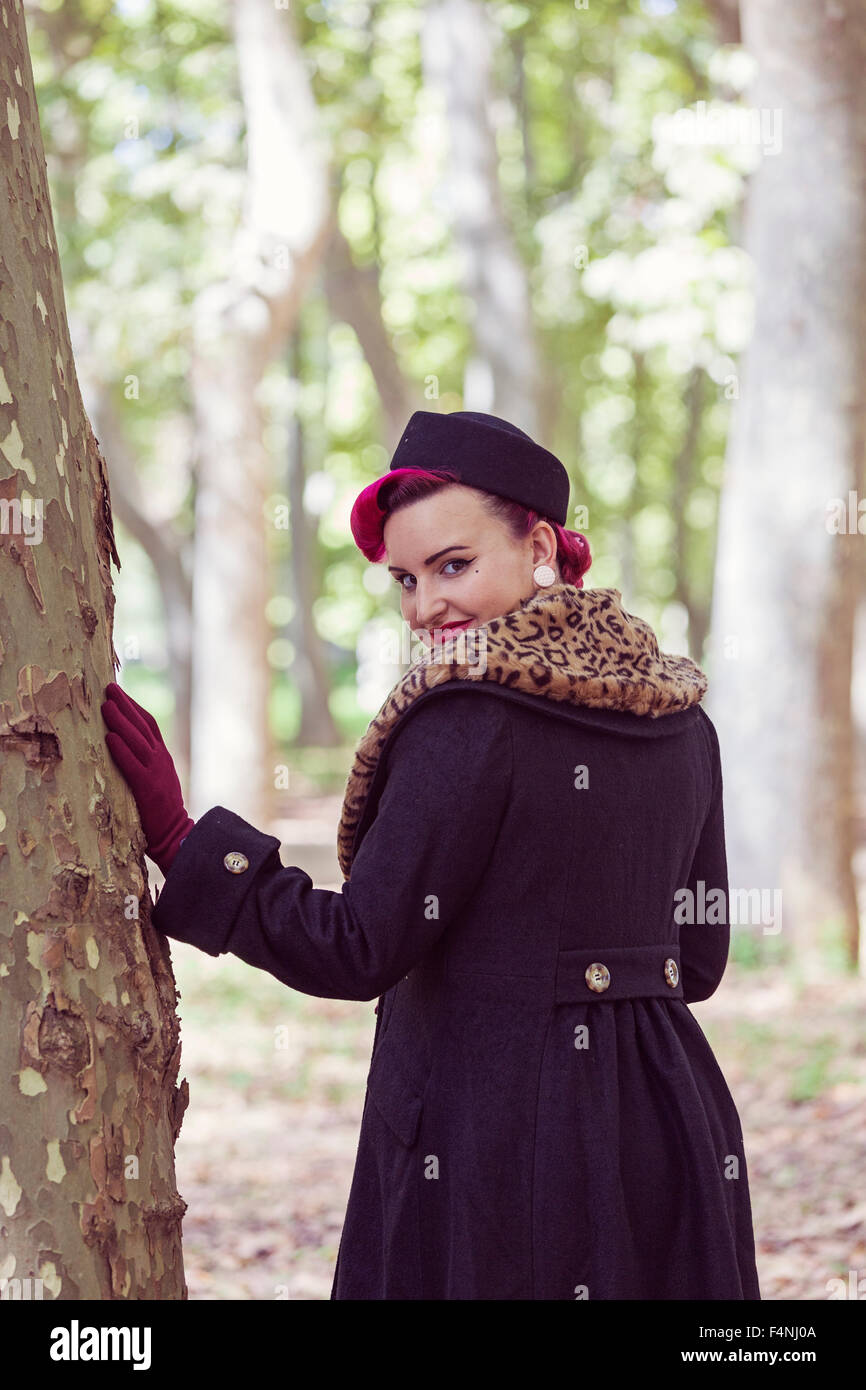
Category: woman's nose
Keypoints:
(430, 607)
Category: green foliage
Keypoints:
(640, 297)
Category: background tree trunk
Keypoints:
(89, 1037)
(310, 667)
(240, 325)
(786, 588)
(502, 376)
(354, 296)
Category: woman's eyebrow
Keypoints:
(431, 558)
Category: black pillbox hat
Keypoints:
(489, 453)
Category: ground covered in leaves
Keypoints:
(267, 1147)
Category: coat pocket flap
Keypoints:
(396, 1097)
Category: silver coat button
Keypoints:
(672, 974)
(235, 862)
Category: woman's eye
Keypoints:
(400, 578)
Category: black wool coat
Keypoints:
(544, 1117)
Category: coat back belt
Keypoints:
(589, 974)
(618, 972)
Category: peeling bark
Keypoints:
(89, 1034)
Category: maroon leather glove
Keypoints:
(137, 748)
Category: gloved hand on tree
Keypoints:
(137, 747)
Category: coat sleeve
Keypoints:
(704, 945)
(448, 774)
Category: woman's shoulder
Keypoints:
(456, 717)
(458, 702)
(471, 716)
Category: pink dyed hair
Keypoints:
(401, 486)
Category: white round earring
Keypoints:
(544, 576)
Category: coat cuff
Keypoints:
(212, 873)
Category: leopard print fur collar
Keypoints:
(562, 643)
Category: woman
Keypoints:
(532, 839)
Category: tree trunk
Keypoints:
(310, 669)
(685, 471)
(240, 325)
(502, 374)
(354, 295)
(786, 585)
(89, 1037)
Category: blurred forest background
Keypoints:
(285, 233)
(636, 230)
